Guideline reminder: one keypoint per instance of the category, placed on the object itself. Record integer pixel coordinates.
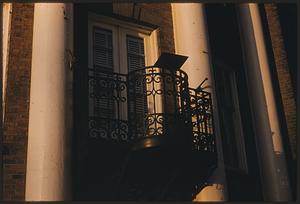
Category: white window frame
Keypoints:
(120, 29)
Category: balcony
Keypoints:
(154, 114)
(151, 103)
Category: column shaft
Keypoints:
(48, 163)
(267, 130)
(1, 108)
(6, 19)
(191, 39)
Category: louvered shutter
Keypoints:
(136, 60)
(103, 50)
(135, 51)
(103, 61)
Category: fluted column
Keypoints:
(48, 158)
(191, 39)
(272, 162)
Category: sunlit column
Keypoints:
(191, 39)
(48, 158)
(274, 174)
(1, 168)
(6, 12)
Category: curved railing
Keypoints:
(146, 103)
(157, 101)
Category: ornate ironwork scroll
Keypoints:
(108, 106)
(149, 102)
(146, 105)
(166, 96)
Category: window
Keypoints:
(122, 42)
(116, 48)
(230, 118)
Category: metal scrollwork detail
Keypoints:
(148, 102)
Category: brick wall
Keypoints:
(159, 14)
(283, 74)
(17, 102)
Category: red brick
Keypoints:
(16, 101)
(284, 78)
(159, 14)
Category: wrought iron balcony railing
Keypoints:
(149, 106)
(202, 120)
(151, 109)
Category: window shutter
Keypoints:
(135, 51)
(103, 50)
(103, 60)
(136, 60)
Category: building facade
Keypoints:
(106, 101)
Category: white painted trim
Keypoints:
(122, 23)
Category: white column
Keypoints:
(6, 12)
(267, 129)
(191, 39)
(1, 124)
(48, 157)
